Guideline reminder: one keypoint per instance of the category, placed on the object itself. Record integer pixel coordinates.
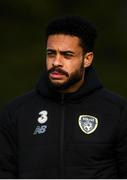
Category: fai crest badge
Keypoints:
(87, 123)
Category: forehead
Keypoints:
(63, 42)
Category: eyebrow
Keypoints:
(61, 52)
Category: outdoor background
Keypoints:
(22, 52)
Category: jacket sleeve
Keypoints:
(121, 150)
(8, 153)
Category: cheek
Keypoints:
(74, 67)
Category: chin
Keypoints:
(57, 84)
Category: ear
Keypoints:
(88, 59)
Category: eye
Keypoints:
(68, 55)
(50, 53)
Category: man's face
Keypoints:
(64, 60)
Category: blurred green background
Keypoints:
(22, 53)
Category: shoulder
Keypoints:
(113, 98)
(19, 101)
(17, 106)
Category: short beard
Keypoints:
(75, 77)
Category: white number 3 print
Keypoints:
(44, 117)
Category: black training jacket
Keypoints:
(45, 134)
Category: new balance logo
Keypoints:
(40, 130)
(42, 119)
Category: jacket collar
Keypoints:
(91, 84)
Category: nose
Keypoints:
(57, 60)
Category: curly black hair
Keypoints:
(74, 26)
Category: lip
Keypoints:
(56, 75)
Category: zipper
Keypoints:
(62, 138)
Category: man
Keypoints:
(70, 126)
